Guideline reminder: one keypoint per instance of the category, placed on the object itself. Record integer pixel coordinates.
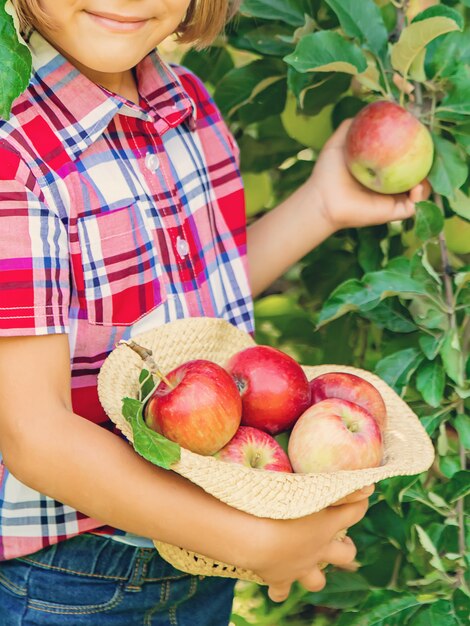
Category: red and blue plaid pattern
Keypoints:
(114, 218)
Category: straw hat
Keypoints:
(408, 449)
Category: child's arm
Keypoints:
(330, 200)
(49, 448)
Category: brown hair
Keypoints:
(204, 20)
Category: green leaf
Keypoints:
(452, 357)
(429, 220)
(428, 545)
(151, 445)
(212, 63)
(441, 613)
(343, 590)
(440, 11)
(461, 204)
(459, 486)
(245, 85)
(266, 39)
(456, 103)
(462, 425)
(367, 24)
(449, 170)
(392, 317)
(15, 63)
(430, 382)
(432, 422)
(147, 384)
(416, 37)
(386, 610)
(347, 297)
(365, 295)
(396, 369)
(430, 345)
(461, 601)
(327, 51)
(289, 11)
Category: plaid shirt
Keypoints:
(114, 218)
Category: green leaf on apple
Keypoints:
(151, 445)
(146, 385)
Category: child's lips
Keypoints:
(118, 23)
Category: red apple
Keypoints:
(388, 149)
(353, 388)
(335, 435)
(255, 448)
(201, 410)
(273, 387)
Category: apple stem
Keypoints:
(146, 356)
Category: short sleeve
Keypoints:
(34, 256)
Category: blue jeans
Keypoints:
(91, 580)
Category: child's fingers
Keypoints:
(314, 580)
(279, 592)
(340, 552)
(421, 192)
(346, 515)
(361, 494)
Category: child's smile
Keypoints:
(116, 22)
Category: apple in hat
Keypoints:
(335, 435)
(196, 405)
(273, 387)
(350, 387)
(255, 448)
(388, 149)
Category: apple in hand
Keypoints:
(255, 448)
(335, 435)
(388, 149)
(273, 387)
(200, 409)
(353, 388)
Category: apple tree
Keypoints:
(393, 299)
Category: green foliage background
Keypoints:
(392, 299)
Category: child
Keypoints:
(121, 209)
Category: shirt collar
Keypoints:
(79, 110)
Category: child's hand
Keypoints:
(345, 202)
(291, 550)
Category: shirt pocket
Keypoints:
(121, 269)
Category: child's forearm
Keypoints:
(97, 473)
(285, 235)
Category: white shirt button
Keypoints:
(182, 246)
(152, 162)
